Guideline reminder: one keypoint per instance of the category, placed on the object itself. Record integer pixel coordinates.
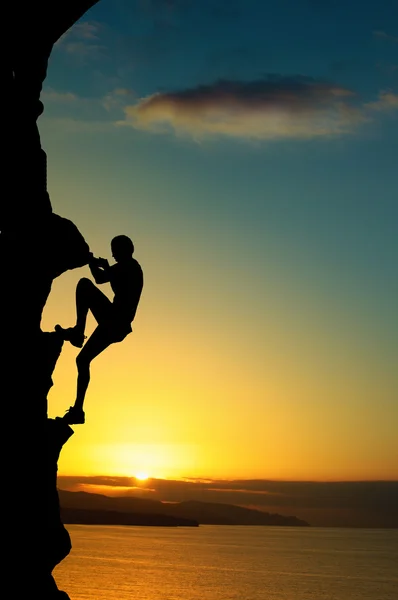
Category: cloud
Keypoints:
(117, 99)
(69, 113)
(387, 101)
(386, 36)
(51, 95)
(263, 110)
(82, 41)
(267, 109)
(84, 51)
(67, 126)
(65, 104)
(85, 30)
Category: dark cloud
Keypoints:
(83, 42)
(274, 107)
(295, 93)
(269, 108)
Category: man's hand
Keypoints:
(99, 268)
(98, 262)
(102, 263)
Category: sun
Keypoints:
(141, 476)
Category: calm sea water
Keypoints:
(230, 563)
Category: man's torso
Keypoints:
(126, 280)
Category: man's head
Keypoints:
(122, 247)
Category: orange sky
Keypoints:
(263, 209)
(208, 389)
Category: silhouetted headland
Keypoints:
(78, 516)
(204, 513)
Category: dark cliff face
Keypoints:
(30, 260)
(35, 247)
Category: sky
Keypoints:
(250, 150)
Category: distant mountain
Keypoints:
(79, 507)
(209, 513)
(80, 516)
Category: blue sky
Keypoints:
(250, 148)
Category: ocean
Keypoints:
(230, 563)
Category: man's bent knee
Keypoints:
(85, 283)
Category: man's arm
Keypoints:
(100, 269)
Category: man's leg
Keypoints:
(97, 343)
(88, 297)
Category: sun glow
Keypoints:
(138, 461)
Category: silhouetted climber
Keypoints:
(114, 318)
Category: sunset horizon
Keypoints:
(199, 244)
(260, 195)
(257, 180)
(369, 504)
